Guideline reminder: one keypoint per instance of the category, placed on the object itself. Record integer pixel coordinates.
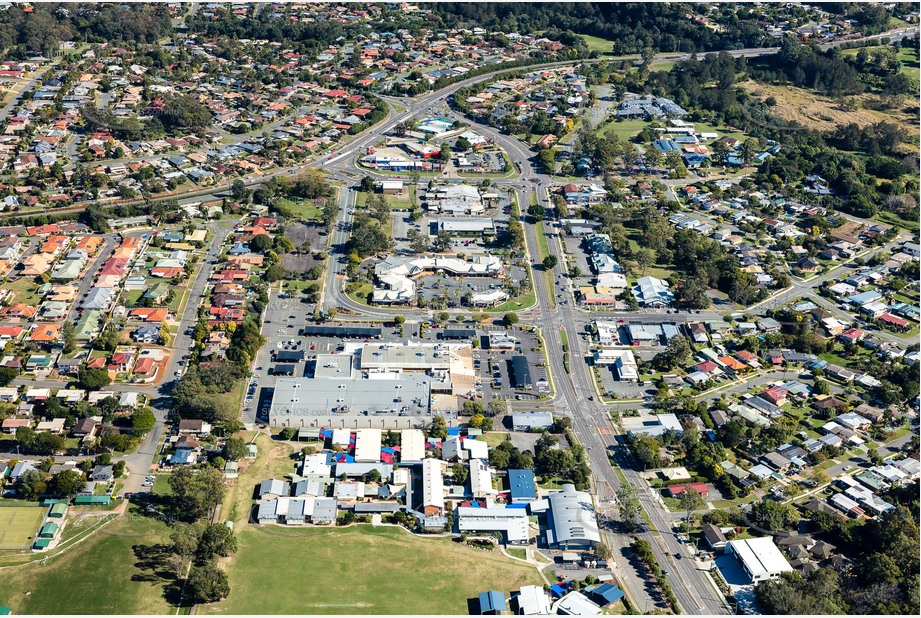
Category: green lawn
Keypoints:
(102, 575)
(360, 570)
(516, 304)
(302, 209)
(494, 438)
(23, 290)
(161, 485)
(358, 291)
(623, 129)
(604, 46)
(911, 225)
(235, 396)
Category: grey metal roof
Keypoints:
(573, 516)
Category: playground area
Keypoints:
(19, 525)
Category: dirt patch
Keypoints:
(824, 113)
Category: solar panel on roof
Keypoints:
(341, 331)
(458, 333)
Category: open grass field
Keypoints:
(360, 570)
(624, 129)
(19, 525)
(825, 113)
(595, 43)
(103, 575)
(302, 209)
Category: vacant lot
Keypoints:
(360, 570)
(825, 113)
(301, 208)
(274, 460)
(19, 525)
(107, 574)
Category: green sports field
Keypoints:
(360, 570)
(19, 525)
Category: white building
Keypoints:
(760, 558)
(513, 522)
(652, 292)
(624, 362)
(533, 601)
(412, 445)
(481, 479)
(367, 445)
(608, 335)
(433, 495)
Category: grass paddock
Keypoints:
(360, 570)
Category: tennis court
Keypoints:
(19, 525)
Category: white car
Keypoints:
(846, 468)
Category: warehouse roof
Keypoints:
(573, 516)
(521, 373)
(521, 484)
(760, 555)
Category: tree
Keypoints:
(142, 421)
(438, 428)
(47, 442)
(32, 484)
(629, 506)
(399, 320)
(691, 501)
(196, 493)
(646, 451)
(459, 472)
(183, 111)
(480, 421)
(443, 241)
(7, 375)
(216, 540)
(69, 337)
(510, 319)
(773, 515)
(67, 483)
(261, 243)
(238, 190)
(234, 449)
(208, 584)
(549, 262)
(92, 379)
(25, 436)
(536, 211)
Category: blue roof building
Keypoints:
(605, 594)
(492, 602)
(521, 485)
(666, 145)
